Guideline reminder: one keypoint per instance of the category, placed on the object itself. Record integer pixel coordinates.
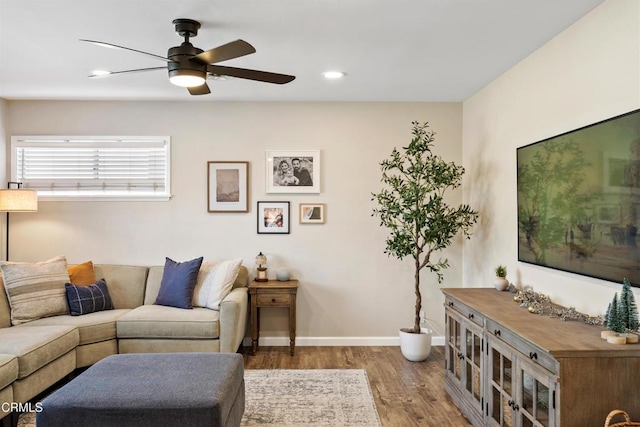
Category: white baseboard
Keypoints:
(336, 341)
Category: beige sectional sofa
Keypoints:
(39, 353)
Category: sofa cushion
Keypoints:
(92, 328)
(35, 290)
(82, 274)
(8, 369)
(88, 299)
(38, 346)
(126, 283)
(178, 281)
(157, 321)
(215, 281)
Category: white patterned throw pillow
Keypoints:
(35, 290)
(215, 281)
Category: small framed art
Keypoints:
(274, 218)
(227, 186)
(312, 213)
(293, 171)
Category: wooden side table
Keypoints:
(273, 293)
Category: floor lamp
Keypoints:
(17, 200)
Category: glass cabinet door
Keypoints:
(473, 362)
(536, 391)
(501, 399)
(454, 346)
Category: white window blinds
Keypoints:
(117, 167)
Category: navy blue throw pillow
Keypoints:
(178, 282)
(88, 299)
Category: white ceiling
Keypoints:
(392, 50)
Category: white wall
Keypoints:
(349, 288)
(588, 73)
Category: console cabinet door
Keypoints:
(521, 393)
(500, 366)
(536, 396)
(464, 359)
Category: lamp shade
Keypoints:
(261, 259)
(18, 200)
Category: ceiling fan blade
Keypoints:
(115, 46)
(225, 52)
(138, 70)
(203, 89)
(244, 73)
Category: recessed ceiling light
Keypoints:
(332, 75)
(99, 73)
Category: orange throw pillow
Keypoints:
(82, 274)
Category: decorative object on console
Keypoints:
(17, 200)
(282, 274)
(293, 171)
(621, 318)
(189, 66)
(227, 186)
(501, 283)
(578, 194)
(261, 271)
(273, 218)
(312, 213)
(417, 228)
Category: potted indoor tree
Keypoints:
(412, 206)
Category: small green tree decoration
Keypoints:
(628, 308)
(413, 207)
(501, 271)
(613, 320)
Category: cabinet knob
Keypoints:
(510, 402)
(450, 303)
(533, 355)
(496, 332)
(471, 316)
(273, 300)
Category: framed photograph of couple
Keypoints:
(227, 186)
(293, 171)
(274, 218)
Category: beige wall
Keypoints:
(588, 73)
(349, 288)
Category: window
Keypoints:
(92, 167)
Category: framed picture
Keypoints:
(579, 200)
(312, 213)
(228, 186)
(273, 218)
(293, 171)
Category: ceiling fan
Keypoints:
(189, 66)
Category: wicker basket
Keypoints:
(626, 423)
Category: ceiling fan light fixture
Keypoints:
(333, 75)
(99, 73)
(187, 77)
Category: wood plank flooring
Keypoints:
(406, 394)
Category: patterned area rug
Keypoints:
(301, 398)
(309, 397)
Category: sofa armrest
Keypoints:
(233, 320)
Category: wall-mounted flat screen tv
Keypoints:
(579, 200)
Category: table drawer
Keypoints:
(465, 311)
(273, 300)
(533, 352)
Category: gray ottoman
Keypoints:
(155, 390)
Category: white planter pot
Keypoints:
(415, 347)
(501, 284)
